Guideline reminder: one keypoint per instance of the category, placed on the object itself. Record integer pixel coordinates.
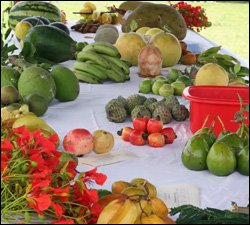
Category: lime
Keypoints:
(37, 103)
(67, 84)
(145, 86)
(156, 86)
(22, 29)
(166, 90)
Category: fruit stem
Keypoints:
(222, 124)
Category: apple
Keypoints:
(140, 124)
(156, 140)
(137, 138)
(170, 134)
(154, 126)
(125, 133)
(78, 142)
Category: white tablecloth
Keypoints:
(161, 166)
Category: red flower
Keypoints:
(58, 209)
(6, 146)
(39, 203)
(99, 178)
(63, 221)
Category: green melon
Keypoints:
(37, 80)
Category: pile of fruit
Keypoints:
(100, 61)
(37, 87)
(221, 155)
(138, 106)
(148, 131)
(133, 202)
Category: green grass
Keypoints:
(230, 26)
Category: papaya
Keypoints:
(157, 15)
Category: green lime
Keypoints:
(178, 87)
(37, 103)
(145, 86)
(67, 84)
(166, 90)
(156, 86)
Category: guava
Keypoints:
(220, 160)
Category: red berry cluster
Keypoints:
(194, 16)
(149, 131)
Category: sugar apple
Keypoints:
(163, 113)
(115, 111)
(140, 111)
(149, 101)
(134, 100)
(180, 112)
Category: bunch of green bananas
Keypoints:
(100, 61)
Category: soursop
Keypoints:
(115, 111)
(149, 101)
(180, 112)
(140, 111)
(134, 100)
(163, 113)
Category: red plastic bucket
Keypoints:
(212, 101)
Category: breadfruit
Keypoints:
(129, 5)
(140, 111)
(157, 15)
(106, 35)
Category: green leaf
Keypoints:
(246, 108)
(133, 25)
(210, 52)
(103, 192)
(237, 67)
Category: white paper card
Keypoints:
(107, 158)
(177, 195)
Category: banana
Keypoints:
(86, 77)
(119, 211)
(103, 48)
(84, 56)
(118, 62)
(129, 64)
(97, 70)
(116, 76)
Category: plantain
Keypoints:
(86, 77)
(84, 56)
(103, 48)
(97, 70)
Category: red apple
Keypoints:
(140, 124)
(154, 126)
(156, 140)
(170, 135)
(78, 142)
(137, 138)
(125, 133)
